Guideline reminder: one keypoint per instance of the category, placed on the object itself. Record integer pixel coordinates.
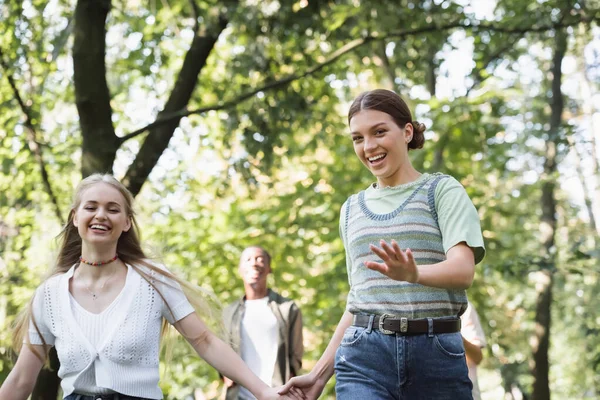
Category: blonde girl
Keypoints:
(103, 307)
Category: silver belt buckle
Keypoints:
(381, 320)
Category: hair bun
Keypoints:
(418, 126)
(418, 137)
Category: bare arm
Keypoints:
(222, 357)
(456, 272)
(473, 352)
(313, 383)
(20, 382)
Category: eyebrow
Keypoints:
(110, 203)
(377, 125)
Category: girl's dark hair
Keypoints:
(392, 104)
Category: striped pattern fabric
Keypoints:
(413, 225)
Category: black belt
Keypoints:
(390, 325)
(112, 396)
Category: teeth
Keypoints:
(380, 156)
(101, 227)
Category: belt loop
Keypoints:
(430, 326)
(370, 324)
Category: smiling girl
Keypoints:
(412, 241)
(103, 307)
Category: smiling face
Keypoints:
(101, 216)
(254, 268)
(381, 145)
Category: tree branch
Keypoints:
(196, 14)
(160, 135)
(349, 47)
(34, 145)
(479, 79)
(165, 118)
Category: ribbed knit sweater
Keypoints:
(413, 225)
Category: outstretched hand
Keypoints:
(397, 264)
(306, 384)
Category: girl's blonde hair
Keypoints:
(130, 252)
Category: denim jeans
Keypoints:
(114, 396)
(373, 365)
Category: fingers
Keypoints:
(409, 256)
(296, 393)
(375, 266)
(286, 388)
(288, 391)
(401, 255)
(388, 249)
(389, 253)
(380, 252)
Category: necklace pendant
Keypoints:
(94, 296)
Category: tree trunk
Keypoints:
(92, 96)
(387, 67)
(541, 338)
(431, 77)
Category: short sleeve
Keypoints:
(457, 217)
(176, 306)
(471, 327)
(38, 315)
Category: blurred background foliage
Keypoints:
(227, 120)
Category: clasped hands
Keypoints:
(307, 385)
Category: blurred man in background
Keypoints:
(263, 326)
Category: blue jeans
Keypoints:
(373, 365)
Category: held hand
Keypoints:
(274, 394)
(397, 264)
(307, 384)
(228, 382)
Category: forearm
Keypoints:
(473, 352)
(323, 369)
(222, 357)
(21, 380)
(446, 275)
(456, 272)
(16, 388)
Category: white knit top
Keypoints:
(118, 351)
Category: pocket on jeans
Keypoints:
(450, 344)
(352, 336)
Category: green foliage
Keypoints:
(275, 169)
